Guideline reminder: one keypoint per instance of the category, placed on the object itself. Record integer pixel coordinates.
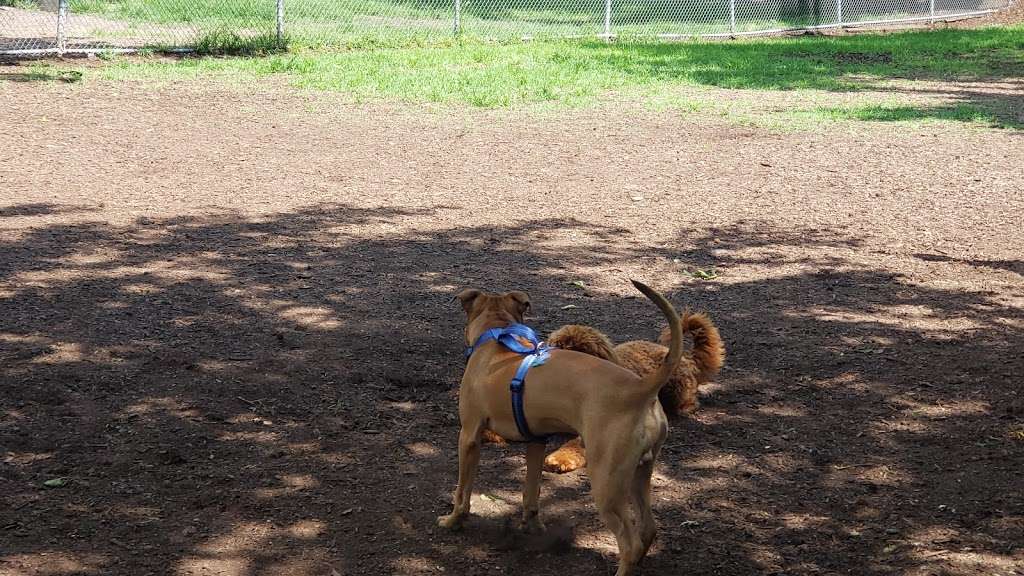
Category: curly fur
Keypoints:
(678, 396)
(708, 352)
(584, 339)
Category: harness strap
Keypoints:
(517, 388)
(518, 338)
(521, 339)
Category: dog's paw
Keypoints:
(562, 463)
(490, 437)
(450, 521)
(532, 525)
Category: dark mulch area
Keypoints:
(225, 339)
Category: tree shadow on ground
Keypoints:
(828, 63)
(998, 104)
(1015, 266)
(275, 396)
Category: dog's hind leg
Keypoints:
(531, 490)
(641, 488)
(469, 459)
(611, 484)
(641, 496)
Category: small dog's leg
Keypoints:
(688, 397)
(531, 490)
(469, 458)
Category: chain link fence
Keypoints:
(41, 26)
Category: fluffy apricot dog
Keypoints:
(678, 396)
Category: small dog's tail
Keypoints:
(708, 350)
(653, 382)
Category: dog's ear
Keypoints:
(467, 297)
(522, 300)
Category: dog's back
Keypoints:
(584, 339)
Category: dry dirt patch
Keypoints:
(225, 332)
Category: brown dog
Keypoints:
(678, 396)
(613, 410)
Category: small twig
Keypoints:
(935, 553)
(866, 464)
(250, 402)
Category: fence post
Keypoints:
(732, 16)
(607, 20)
(839, 12)
(280, 23)
(62, 23)
(931, 11)
(458, 17)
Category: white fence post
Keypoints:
(280, 22)
(732, 16)
(62, 24)
(839, 12)
(607, 20)
(931, 11)
(457, 27)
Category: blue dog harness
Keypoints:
(520, 339)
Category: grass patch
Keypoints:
(494, 75)
(228, 43)
(43, 73)
(22, 4)
(895, 113)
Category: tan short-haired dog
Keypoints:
(614, 411)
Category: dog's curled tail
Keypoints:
(708, 349)
(653, 382)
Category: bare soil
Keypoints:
(226, 346)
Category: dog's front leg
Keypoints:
(531, 490)
(469, 458)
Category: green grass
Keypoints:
(970, 113)
(777, 83)
(22, 4)
(497, 75)
(226, 42)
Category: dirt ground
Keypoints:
(226, 345)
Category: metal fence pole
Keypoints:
(458, 17)
(607, 20)
(839, 11)
(732, 15)
(62, 22)
(931, 11)
(280, 22)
